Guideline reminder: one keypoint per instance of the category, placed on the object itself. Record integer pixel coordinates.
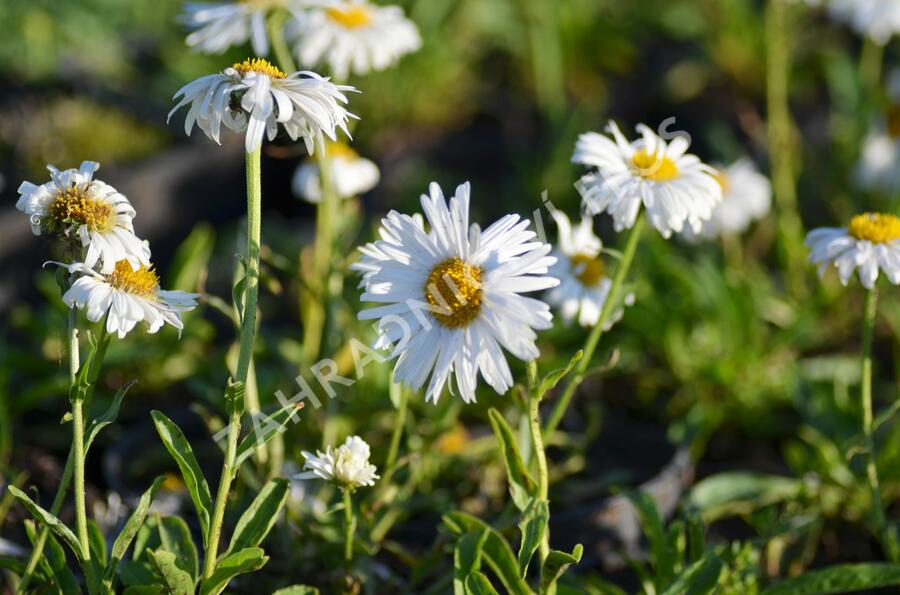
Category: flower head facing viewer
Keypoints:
(583, 283)
(126, 296)
(347, 465)
(674, 187)
(871, 242)
(74, 204)
(352, 36)
(216, 27)
(257, 97)
(451, 297)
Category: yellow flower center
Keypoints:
(350, 17)
(142, 282)
(588, 269)
(454, 288)
(74, 206)
(258, 65)
(341, 150)
(875, 227)
(650, 166)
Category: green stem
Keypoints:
(80, 509)
(276, 36)
(867, 421)
(349, 524)
(593, 339)
(399, 423)
(537, 443)
(59, 498)
(245, 355)
(871, 59)
(781, 150)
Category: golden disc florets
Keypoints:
(588, 269)
(259, 65)
(877, 228)
(73, 206)
(142, 282)
(351, 17)
(454, 289)
(656, 168)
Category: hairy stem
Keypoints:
(349, 524)
(593, 339)
(537, 443)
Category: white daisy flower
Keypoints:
(583, 285)
(219, 26)
(876, 19)
(675, 188)
(256, 96)
(871, 242)
(352, 35)
(451, 297)
(879, 164)
(746, 197)
(74, 204)
(347, 465)
(126, 297)
(351, 174)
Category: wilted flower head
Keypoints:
(675, 188)
(351, 174)
(74, 204)
(352, 35)
(870, 242)
(347, 465)
(219, 26)
(256, 96)
(126, 297)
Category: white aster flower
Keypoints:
(351, 174)
(126, 297)
(746, 197)
(256, 96)
(879, 164)
(871, 242)
(451, 296)
(876, 19)
(219, 26)
(583, 286)
(676, 188)
(352, 35)
(347, 465)
(74, 204)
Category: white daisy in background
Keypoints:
(746, 197)
(352, 175)
(352, 36)
(347, 465)
(583, 285)
(879, 163)
(219, 26)
(256, 96)
(871, 242)
(451, 297)
(878, 20)
(675, 188)
(126, 297)
(74, 204)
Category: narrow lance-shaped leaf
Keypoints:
(556, 565)
(53, 562)
(264, 429)
(178, 580)
(132, 525)
(108, 417)
(478, 584)
(467, 558)
(552, 379)
(496, 552)
(533, 525)
(181, 451)
(260, 516)
(175, 537)
(56, 526)
(700, 578)
(521, 485)
(842, 578)
(232, 565)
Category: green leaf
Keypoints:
(264, 429)
(739, 492)
(135, 574)
(132, 525)
(842, 578)
(297, 590)
(695, 535)
(54, 562)
(175, 537)
(177, 579)
(521, 485)
(467, 558)
(234, 397)
(260, 516)
(232, 565)
(108, 417)
(478, 584)
(98, 550)
(191, 258)
(237, 292)
(556, 565)
(56, 526)
(651, 523)
(144, 590)
(700, 578)
(496, 552)
(552, 379)
(181, 451)
(533, 525)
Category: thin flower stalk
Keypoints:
(349, 523)
(537, 443)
